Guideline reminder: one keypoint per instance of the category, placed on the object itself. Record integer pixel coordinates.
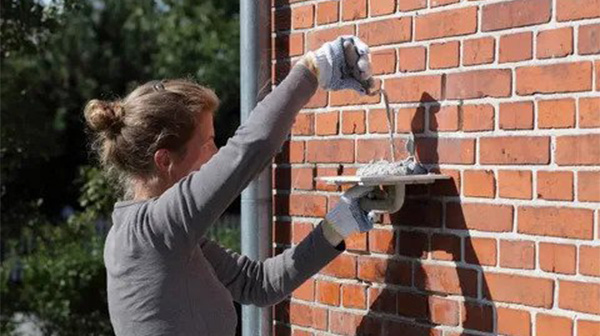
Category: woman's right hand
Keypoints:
(344, 64)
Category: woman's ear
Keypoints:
(162, 161)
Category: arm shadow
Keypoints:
(444, 286)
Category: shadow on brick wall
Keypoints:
(282, 230)
(424, 293)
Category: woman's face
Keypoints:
(200, 148)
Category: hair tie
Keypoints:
(158, 86)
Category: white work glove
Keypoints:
(344, 64)
(347, 216)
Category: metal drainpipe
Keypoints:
(255, 81)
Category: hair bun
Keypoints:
(103, 116)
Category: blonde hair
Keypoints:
(159, 114)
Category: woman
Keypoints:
(164, 277)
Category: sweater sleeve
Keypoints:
(183, 213)
(267, 283)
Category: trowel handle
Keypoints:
(390, 199)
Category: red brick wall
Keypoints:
(504, 97)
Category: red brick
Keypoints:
(288, 45)
(303, 17)
(298, 332)
(465, 216)
(553, 325)
(411, 305)
(343, 266)
(555, 185)
(516, 115)
(446, 150)
(306, 291)
(578, 150)
(307, 316)
(587, 328)
(327, 171)
(327, 123)
(477, 316)
(378, 121)
(516, 47)
(579, 296)
(437, 3)
(319, 99)
(479, 51)
(419, 213)
(448, 187)
(413, 89)
(555, 43)
(353, 122)
(558, 258)
(563, 77)
(517, 254)
(589, 186)
(413, 244)
(354, 9)
(529, 291)
(354, 296)
(589, 260)
(480, 251)
(409, 5)
(567, 10)
(479, 183)
(383, 61)
(443, 311)
(302, 178)
(409, 328)
(410, 120)
(589, 112)
(382, 300)
(378, 149)
(333, 151)
(444, 119)
(597, 70)
(556, 222)
(477, 117)
(444, 55)
(317, 38)
(515, 184)
(386, 31)
(356, 242)
(558, 113)
(453, 22)
(382, 241)
(444, 279)
(516, 13)
(512, 322)
(328, 12)
(514, 150)
(344, 323)
(381, 270)
(304, 124)
(411, 59)
(589, 39)
(351, 97)
(479, 84)
(382, 7)
(308, 205)
(282, 232)
(328, 292)
(300, 230)
(445, 247)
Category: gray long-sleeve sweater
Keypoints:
(165, 278)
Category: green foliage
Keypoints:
(56, 55)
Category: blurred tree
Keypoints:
(57, 54)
